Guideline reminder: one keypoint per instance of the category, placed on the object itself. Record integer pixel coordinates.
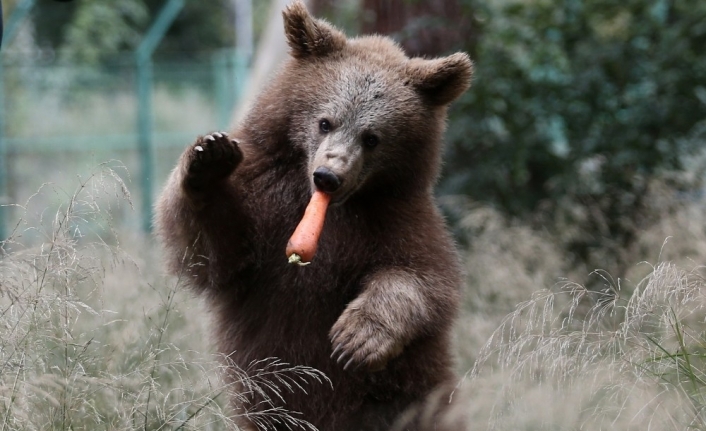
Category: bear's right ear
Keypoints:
(441, 80)
(308, 36)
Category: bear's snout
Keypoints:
(325, 180)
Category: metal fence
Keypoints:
(64, 117)
(58, 118)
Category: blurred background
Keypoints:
(579, 110)
(578, 154)
(581, 114)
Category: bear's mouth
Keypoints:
(338, 197)
(334, 184)
(341, 199)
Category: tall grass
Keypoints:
(631, 355)
(92, 337)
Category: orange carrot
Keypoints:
(302, 244)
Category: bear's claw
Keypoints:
(211, 158)
(361, 341)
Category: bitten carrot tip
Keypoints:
(295, 258)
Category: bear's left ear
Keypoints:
(441, 80)
(308, 36)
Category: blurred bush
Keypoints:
(96, 32)
(580, 115)
(577, 110)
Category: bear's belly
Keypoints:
(287, 314)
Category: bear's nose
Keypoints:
(325, 180)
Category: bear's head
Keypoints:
(369, 118)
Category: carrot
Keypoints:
(303, 242)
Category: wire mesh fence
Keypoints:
(61, 119)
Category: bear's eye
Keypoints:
(370, 141)
(324, 126)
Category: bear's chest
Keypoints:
(288, 299)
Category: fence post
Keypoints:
(1, 29)
(243, 46)
(19, 13)
(221, 65)
(143, 57)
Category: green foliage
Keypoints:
(577, 108)
(199, 26)
(99, 30)
(51, 21)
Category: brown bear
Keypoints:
(357, 119)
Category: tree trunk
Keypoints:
(424, 28)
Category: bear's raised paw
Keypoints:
(211, 158)
(359, 342)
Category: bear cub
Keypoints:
(357, 119)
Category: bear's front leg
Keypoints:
(374, 328)
(199, 213)
(208, 161)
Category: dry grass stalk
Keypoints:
(634, 362)
(88, 340)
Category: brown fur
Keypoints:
(383, 289)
